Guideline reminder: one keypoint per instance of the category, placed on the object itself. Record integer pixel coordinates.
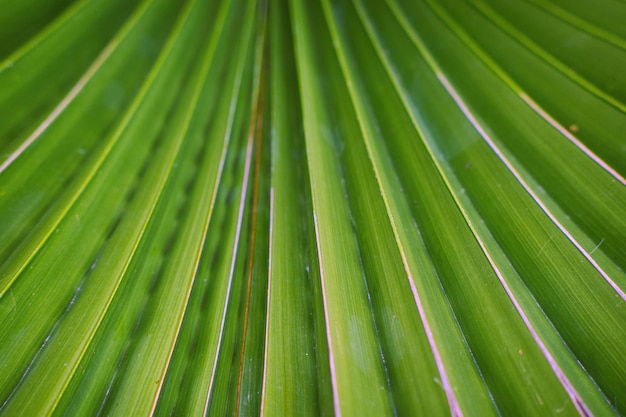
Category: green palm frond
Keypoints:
(291, 207)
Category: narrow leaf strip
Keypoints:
(293, 382)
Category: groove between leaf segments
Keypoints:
(331, 358)
(269, 297)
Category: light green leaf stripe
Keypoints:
(293, 382)
(350, 331)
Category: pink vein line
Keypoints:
(242, 204)
(61, 106)
(572, 138)
(519, 178)
(331, 358)
(573, 394)
(452, 401)
(269, 297)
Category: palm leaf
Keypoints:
(312, 208)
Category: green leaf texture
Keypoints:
(333, 207)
